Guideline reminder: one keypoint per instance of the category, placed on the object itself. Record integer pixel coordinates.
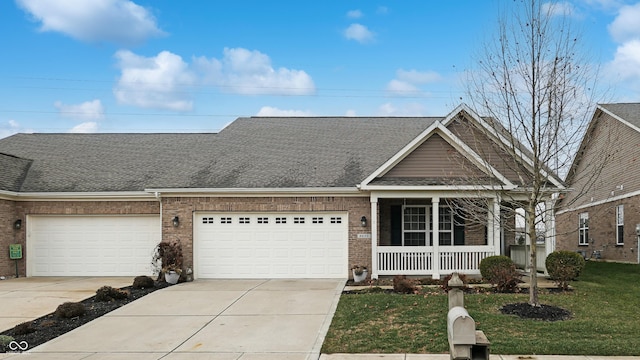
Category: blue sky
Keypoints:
(195, 66)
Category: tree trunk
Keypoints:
(533, 268)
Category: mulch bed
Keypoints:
(542, 312)
(50, 326)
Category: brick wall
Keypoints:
(602, 230)
(184, 207)
(8, 235)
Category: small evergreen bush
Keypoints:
(70, 310)
(564, 266)
(108, 293)
(500, 271)
(143, 282)
(403, 285)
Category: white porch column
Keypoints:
(374, 237)
(435, 219)
(550, 228)
(493, 225)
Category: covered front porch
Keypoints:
(431, 234)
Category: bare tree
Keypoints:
(535, 88)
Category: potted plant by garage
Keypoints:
(360, 273)
(172, 274)
(167, 260)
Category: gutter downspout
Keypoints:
(159, 198)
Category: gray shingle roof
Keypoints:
(256, 152)
(627, 111)
(14, 171)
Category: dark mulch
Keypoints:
(50, 326)
(542, 312)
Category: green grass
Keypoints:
(605, 304)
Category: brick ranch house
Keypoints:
(599, 218)
(264, 198)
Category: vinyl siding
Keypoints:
(488, 150)
(435, 158)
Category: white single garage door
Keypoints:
(271, 245)
(91, 245)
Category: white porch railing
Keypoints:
(520, 256)
(421, 260)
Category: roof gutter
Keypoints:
(83, 196)
(283, 192)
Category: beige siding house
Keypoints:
(599, 217)
(264, 198)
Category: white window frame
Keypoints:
(620, 225)
(424, 231)
(583, 228)
(443, 210)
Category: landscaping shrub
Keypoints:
(167, 255)
(108, 293)
(403, 285)
(24, 328)
(143, 282)
(564, 266)
(500, 271)
(4, 342)
(70, 310)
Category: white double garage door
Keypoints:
(226, 245)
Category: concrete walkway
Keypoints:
(208, 319)
(447, 357)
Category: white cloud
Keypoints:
(407, 81)
(119, 21)
(382, 10)
(408, 109)
(626, 26)
(350, 113)
(562, 8)
(626, 63)
(354, 14)
(402, 87)
(359, 33)
(418, 77)
(272, 111)
(85, 128)
(248, 72)
(88, 110)
(160, 82)
(10, 127)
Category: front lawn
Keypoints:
(605, 304)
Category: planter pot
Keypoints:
(171, 277)
(359, 278)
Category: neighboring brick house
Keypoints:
(598, 218)
(264, 198)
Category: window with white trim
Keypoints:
(414, 226)
(244, 220)
(583, 228)
(281, 220)
(445, 226)
(620, 225)
(225, 220)
(317, 220)
(263, 220)
(336, 220)
(298, 220)
(207, 220)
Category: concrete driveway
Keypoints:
(25, 299)
(209, 319)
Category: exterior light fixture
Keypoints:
(363, 221)
(176, 221)
(18, 224)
